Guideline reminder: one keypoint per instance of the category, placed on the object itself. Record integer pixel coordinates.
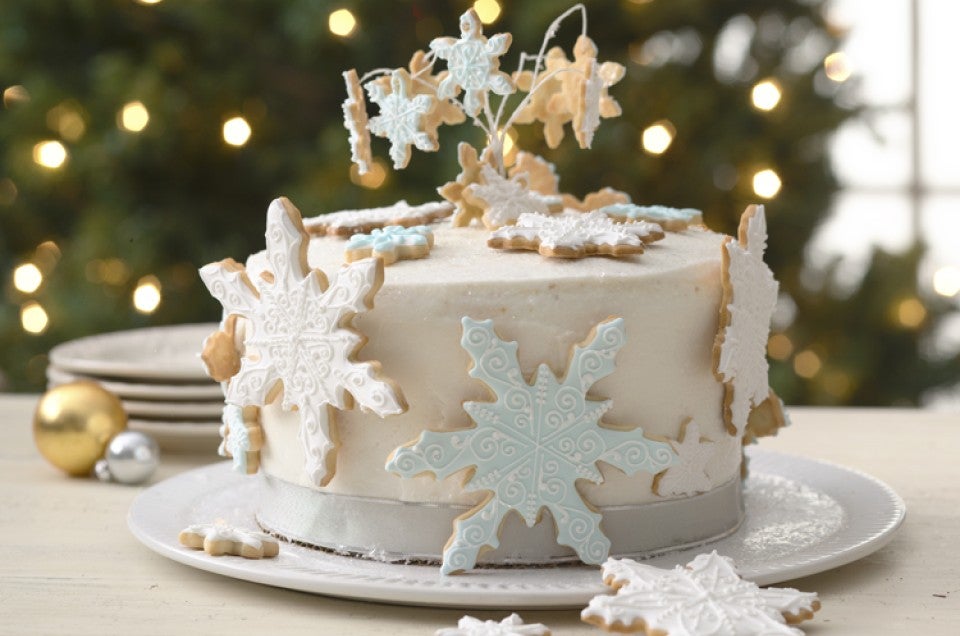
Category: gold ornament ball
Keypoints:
(74, 423)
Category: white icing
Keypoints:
(593, 91)
(508, 199)
(401, 118)
(576, 230)
(705, 598)
(510, 626)
(212, 532)
(743, 354)
(688, 476)
(235, 437)
(400, 213)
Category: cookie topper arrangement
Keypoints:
(555, 89)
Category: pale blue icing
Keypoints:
(236, 440)
(391, 237)
(532, 444)
(651, 213)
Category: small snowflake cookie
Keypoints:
(402, 119)
(423, 82)
(471, 165)
(541, 105)
(473, 62)
(546, 417)
(689, 475)
(218, 539)
(670, 219)
(597, 200)
(749, 298)
(575, 235)
(541, 174)
(346, 223)
(504, 200)
(219, 352)
(510, 626)
(704, 598)
(355, 121)
(241, 437)
(392, 243)
(299, 344)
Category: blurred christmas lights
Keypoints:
(766, 183)
(342, 23)
(66, 120)
(658, 137)
(487, 10)
(766, 94)
(147, 296)
(33, 318)
(50, 154)
(807, 364)
(236, 131)
(911, 313)
(946, 281)
(837, 66)
(374, 177)
(27, 278)
(779, 346)
(133, 117)
(14, 95)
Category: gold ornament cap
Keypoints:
(74, 423)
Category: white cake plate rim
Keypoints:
(871, 511)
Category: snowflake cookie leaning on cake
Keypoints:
(402, 379)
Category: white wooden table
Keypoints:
(68, 565)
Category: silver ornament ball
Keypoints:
(132, 457)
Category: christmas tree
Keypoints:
(140, 140)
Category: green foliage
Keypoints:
(168, 199)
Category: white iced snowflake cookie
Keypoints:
(346, 223)
(575, 235)
(241, 438)
(529, 447)
(510, 626)
(504, 200)
(704, 598)
(299, 344)
(402, 119)
(689, 475)
(355, 121)
(749, 298)
(218, 539)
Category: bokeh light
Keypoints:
(766, 183)
(766, 94)
(342, 23)
(658, 137)
(147, 295)
(487, 10)
(34, 318)
(134, 117)
(50, 154)
(27, 278)
(236, 131)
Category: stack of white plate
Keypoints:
(157, 374)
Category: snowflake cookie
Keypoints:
(510, 626)
(218, 539)
(540, 103)
(401, 118)
(473, 62)
(299, 342)
(704, 598)
(423, 82)
(219, 351)
(470, 173)
(529, 447)
(749, 298)
(346, 223)
(689, 475)
(670, 219)
(391, 244)
(766, 419)
(575, 235)
(241, 437)
(541, 174)
(504, 200)
(355, 121)
(596, 200)
(587, 94)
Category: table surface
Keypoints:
(68, 564)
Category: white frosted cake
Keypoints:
(512, 375)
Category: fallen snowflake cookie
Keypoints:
(746, 307)
(510, 626)
(545, 417)
(670, 219)
(704, 598)
(218, 539)
(346, 223)
(575, 235)
(391, 244)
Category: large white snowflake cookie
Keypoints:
(503, 200)
(575, 235)
(704, 598)
(749, 298)
(299, 344)
(528, 448)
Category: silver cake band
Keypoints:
(390, 530)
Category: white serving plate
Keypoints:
(199, 391)
(155, 353)
(180, 437)
(173, 410)
(803, 517)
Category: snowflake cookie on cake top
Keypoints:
(528, 448)
(575, 235)
(510, 626)
(704, 598)
(299, 345)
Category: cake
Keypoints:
(402, 380)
